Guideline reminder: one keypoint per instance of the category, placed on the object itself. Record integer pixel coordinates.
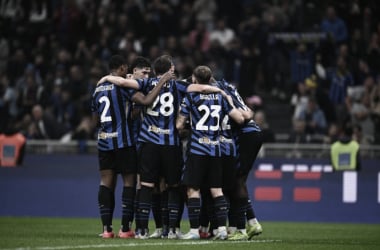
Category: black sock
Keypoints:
(205, 214)
(250, 213)
(164, 209)
(173, 206)
(233, 213)
(241, 213)
(221, 210)
(136, 207)
(145, 202)
(181, 207)
(106, 205)
(194, 207)
(128, 208)
(156, 209)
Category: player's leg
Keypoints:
(215, 183)
(149, 168)
(192, 179)
(206, 214)
(106, 197)
(164, 211)
(249, 147)
(172, 167)
(156, 211)
(128, 169)
(136, 205)
(229, 182)
(128, 206)
(138, 187)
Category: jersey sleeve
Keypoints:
(182, 86)
(143, 85)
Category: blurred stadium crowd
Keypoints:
(322, 57)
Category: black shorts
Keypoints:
(229, 171)
(160, 161)
(122, 161)
(249, 146)
(202, 171)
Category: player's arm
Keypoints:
(206, 89)
(140, 98)
(203, 88)
(181, 121)
(236, 115)
(120, 81)
(247, 114)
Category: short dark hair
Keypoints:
(140, 62)
(348, 129)
(116, 61)
(203, 74)
(162, 64)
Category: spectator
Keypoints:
(375, 110)
(221, 33)
(29, 92)
(9, 109)
(314, 118)
(299, 100)
(199, 38)
(334, 25)
(204, 11)
(340, 79)
(361, 115)
(332, 134)
(298, 134)
(301, 63)
(44, 125)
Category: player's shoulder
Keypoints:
(226, 85)
(181, 84)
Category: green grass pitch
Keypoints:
(24, 233)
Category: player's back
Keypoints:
(206, 113)
(109, 102)
(158, 125)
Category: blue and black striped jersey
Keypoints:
(248, 126)
(159, 123)
(227, 138)
(109, 102)
(206, 112)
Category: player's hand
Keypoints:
(168, 76)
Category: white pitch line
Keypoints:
(142, 244)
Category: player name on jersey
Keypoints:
(209, 97)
